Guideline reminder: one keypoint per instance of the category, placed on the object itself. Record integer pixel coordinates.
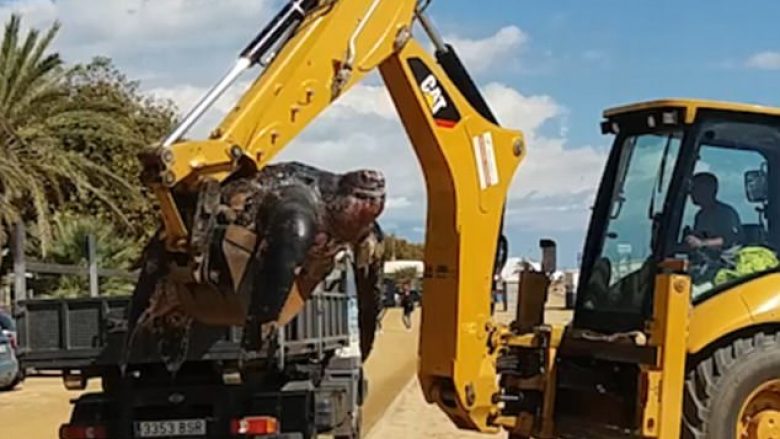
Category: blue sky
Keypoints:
(593, 54)
(549, 68)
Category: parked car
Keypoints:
(8, 329)
(9, 366)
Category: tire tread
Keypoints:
(705, 378)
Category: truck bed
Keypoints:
(84, 333)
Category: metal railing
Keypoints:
(24, 267)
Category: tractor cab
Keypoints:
(685, 179)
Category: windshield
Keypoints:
(619, 276)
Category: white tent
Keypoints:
(514, 266)
(392, 267)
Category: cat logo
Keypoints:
(433, 94)
(444, 112)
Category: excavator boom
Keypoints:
(312, 53)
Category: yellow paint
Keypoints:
(692, 106)
(759, 417)
(753, 303)
(462, 221)
(660, 401)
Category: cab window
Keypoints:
(727, 215)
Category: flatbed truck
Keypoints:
(312, 386)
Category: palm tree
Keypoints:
(37, 174)
(112, 250)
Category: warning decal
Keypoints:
(486, 160)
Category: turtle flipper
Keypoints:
(368, 269)
(288, 234)
(173, 339)
(152, 271)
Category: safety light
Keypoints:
(83, 432)
(254, 425)
(651, 121)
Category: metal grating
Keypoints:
(84, 326)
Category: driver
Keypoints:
(717, 225)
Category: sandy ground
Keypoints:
(36, 409)
(391, 365)
(410, 417)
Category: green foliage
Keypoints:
(400, 248)
(113, 250)
(128, 123)
(44, 114)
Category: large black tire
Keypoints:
(718, 384)
(18, 380)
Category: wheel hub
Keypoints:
(760, 414)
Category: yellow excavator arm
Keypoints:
(312, 53)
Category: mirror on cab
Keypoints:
(756, 186)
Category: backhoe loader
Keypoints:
(675, 325)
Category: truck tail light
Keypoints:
(83, 432)
(254, 425)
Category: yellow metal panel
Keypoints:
(550, 388)
(753, 303)
(462, 221)
(692, 106)
(650, 397)
(204, 157)
(662, 384)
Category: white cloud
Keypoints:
(398, 203)
(501, 49)
(767, 60)
(163, 41)
(513, 109)
(130, 22)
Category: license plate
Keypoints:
(171, 428)
(3, 349)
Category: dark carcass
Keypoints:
(269, 238)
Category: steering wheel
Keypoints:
(700, 259)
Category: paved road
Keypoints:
(36, 409)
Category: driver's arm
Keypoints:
(729, 226)
(695, 242)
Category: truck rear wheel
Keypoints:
(734, 392)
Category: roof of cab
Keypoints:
(692, 106)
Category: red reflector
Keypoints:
(83, 432)
(255, 425)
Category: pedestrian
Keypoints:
(379, 319)
(407, 302)
(505, 296)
